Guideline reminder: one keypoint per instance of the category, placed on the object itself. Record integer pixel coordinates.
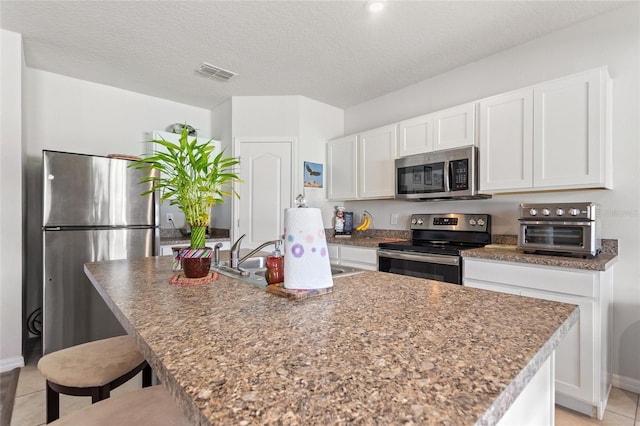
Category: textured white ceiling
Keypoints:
(331, 51)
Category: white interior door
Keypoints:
(266, 168)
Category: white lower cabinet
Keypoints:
(358, 257)
(582, 364)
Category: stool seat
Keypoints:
(91, 364)
(148, 406)
(91, 369)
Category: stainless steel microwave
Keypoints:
(441, 175)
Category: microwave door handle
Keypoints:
(448, 177)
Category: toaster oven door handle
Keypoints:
(424, 258)
(555, 222)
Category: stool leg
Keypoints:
(146, 376)
(53, 404)
(99, 393)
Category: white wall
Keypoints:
(319, 122)
(310, 122)
(11, 202)
(612, 40)
(68, 114)
(221, 131)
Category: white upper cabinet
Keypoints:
(362, 166)
(342, 168)
(454, 127)
(555, 135)
(570, 137)
(446, 129)
(506, 137)
(377, 163)
(415, 136)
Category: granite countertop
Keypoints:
(165, 241)
(381, 348)
(369, 238)
(509, 254)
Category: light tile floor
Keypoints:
(29, 408)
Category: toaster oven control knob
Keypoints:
(533, 212)
(480, 222)
(574, 212)
(472, 222)
(546, 212)
(559, 212)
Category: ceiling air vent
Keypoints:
(217, 72)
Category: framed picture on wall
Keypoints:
(312, 175)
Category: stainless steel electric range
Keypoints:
(435, 246)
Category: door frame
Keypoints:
(292, 141)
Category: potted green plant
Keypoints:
(194, 181)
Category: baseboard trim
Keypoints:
(9, 364)
(626, 383)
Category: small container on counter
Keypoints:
(275, 268)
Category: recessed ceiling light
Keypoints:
(375, 6)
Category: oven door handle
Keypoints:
(423, 258)
(555, 222)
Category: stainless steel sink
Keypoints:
(252, 270)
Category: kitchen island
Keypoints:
(380, 348)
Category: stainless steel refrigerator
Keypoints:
(92, 211)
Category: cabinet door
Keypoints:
(359, 257)
(505, 145)
(377, 163)
(415, 136)
(574, 355)
(342, 168)
(570, 131)
(454, 127)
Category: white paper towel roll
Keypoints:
(306, 259)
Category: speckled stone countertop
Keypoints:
(178, 241)
(369, 238)
(379, 349)
(508, 253)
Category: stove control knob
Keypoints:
(420, 221)
(472, 222)
(480, 222)
(414, 221)
(574, 212)
(533, 212)
(559, 212)
(546, 212)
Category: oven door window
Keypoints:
(421, 179)
(432, 271)
(554, 235)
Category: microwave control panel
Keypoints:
(460, 175)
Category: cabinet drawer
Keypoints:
(580, 283)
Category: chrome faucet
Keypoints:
(235, 252)
(236, 261)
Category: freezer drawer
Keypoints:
(73, 311)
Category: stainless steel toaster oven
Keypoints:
(570, 229)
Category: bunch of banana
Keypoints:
(366, 222)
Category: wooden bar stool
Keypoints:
(149, 406)
(91, 369)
